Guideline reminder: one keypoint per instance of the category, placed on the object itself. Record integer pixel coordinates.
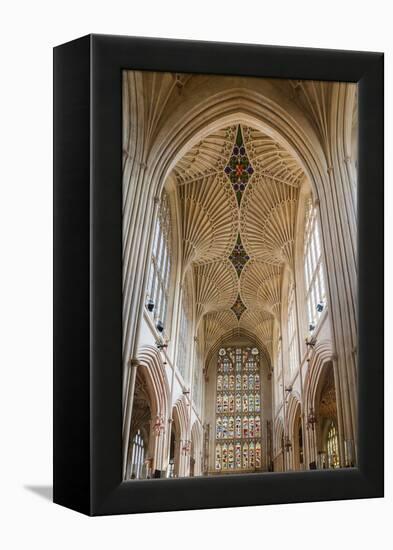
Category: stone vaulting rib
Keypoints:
(236, 238)
(216, 286)
(209, 219)
(267, 219)
(261, 285)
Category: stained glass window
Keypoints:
(225, 456)
(332, 447)
(238, 410)
(160, 267)
(313, 270)
(258, 454)
(218, 456)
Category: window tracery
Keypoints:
(313, 269)
(137, 456)
(198, 380)
(278, 376)
(183, 340)
(292, 331)
(160, 267)
(332, 447)
(238, 409)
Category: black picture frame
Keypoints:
(88, 274)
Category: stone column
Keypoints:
(158, 429)
(342, 431)
(130, 385)
(299, 326)
(190, 397)
(310, 439)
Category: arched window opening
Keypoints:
(300, 441)
(137, 456)
(197, 384)
(192, 466)
(238, 410)
(184, 329)
(292, 331)
(327, 423)
(278, 377)
(332, 446)
(313, 269)
(171, 465)
(160, 267)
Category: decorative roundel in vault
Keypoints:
(238, 307)
(239, 193)
(239, 256)
(239, 168)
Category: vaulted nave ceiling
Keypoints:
(239, 193)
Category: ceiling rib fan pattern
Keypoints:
(216, 286)
(238, 238)
(261, 286)
(261, 323)
(216, 324)
(209, 156)
(209, 219)
(267, 220)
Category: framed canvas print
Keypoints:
(218, 275)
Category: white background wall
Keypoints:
(28, 30)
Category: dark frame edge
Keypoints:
(71, 274)
(331, 486)
(80, 430)
(371, 287)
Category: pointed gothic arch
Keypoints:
(323, 362)
(196, 448)
(176, 138)
(295, 431)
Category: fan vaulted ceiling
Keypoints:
(239, 193)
